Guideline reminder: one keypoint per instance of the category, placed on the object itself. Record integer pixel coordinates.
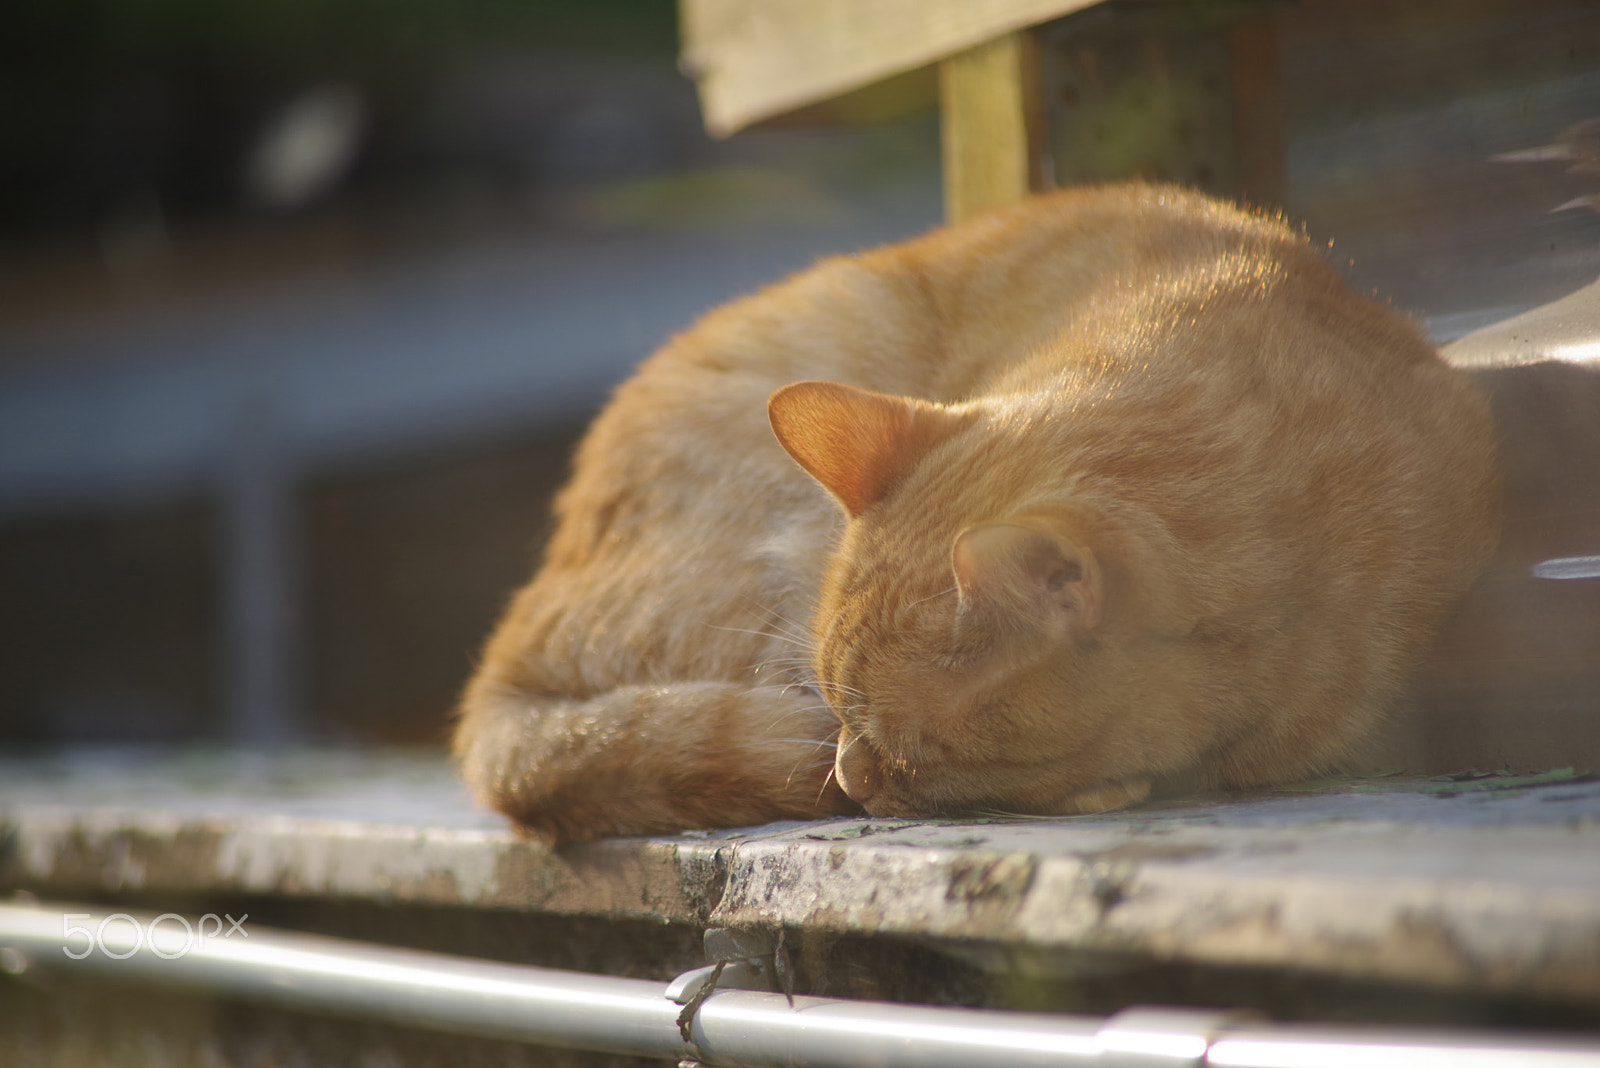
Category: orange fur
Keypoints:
(1131, 487)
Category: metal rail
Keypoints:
(730, 1027)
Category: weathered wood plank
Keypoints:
(753, 60)
(991, 124)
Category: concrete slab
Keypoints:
(1486, 884)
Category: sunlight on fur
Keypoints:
(1106, 489)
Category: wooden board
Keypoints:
(753, 59)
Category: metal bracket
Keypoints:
(729, 975)
(739, 962)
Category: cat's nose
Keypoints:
(857, 770)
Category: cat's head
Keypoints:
(959, 633)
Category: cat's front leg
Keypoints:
(650, 759)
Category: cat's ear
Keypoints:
(855, 442)
(1024, 574)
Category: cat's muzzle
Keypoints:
(858, 770)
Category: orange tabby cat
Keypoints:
(1105, 486)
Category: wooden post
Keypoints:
(1258, 112)
(991, 125)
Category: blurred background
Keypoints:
(304, 302)
(302, 305)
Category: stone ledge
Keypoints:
(1487, 884)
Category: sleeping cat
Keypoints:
(1095, 490)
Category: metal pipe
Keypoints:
(541, 1005)
(733, 1027)
(1325, 1047)
(410, 987)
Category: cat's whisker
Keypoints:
(808, 746)
(1031, 817)
(797, 625)
(802, 769)
(751, 630)
(800, 669)
(785, 628)
(834, 690)
(1003, 814)
(815, 714)
(806, 686)
(787, 685)
(797, 669)
(933, 596)
(826, 779)
(798, 639)
(787, 741)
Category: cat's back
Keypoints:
(952, 316)
(934, 317)
(1190, 317)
